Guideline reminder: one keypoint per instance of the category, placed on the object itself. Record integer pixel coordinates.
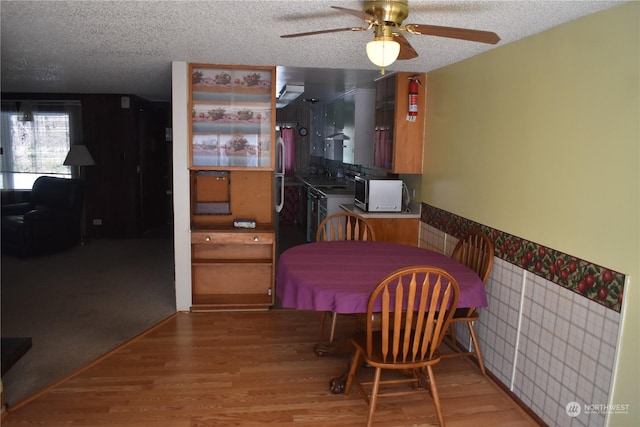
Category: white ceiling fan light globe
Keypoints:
(383, 52)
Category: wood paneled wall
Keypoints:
(128, 189)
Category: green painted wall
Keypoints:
(540, 138)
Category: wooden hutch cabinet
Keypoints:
(398, 141)
(232, 159)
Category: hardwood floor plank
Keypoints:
(248, 369)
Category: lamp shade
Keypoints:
(383, 51)
(78, 155)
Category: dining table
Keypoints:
(338, 276)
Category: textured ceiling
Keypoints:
(127, 47)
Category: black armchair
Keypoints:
(49, 222)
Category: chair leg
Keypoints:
(435, 396)
(333, 327)
(355, 363)
(452, 331)
(374, 396)
(476, 346)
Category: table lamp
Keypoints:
(78, 156)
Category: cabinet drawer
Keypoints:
(240, 237)
(236, 279)
(224, 251)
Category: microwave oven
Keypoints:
(378, 194)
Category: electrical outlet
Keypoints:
(413, 193)
(97, 222)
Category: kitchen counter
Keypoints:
(321, 180)
(329, 186)
(397, 227)
(290, 180)
(414, 212)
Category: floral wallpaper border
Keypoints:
(597, 283)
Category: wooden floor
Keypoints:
(247, 369)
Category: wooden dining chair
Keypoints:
(474, 250)
(414, 306)
(342, 226)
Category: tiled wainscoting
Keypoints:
(550, 346)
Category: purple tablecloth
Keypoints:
(339, 276)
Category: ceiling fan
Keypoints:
(385, 18)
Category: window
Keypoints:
(35, 143)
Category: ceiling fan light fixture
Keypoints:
(383, 51)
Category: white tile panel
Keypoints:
(565, 342)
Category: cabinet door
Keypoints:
(333, 149)
(408, 135)
(349, 120)
(329, 118)
(384, 122)
(334, 116)
(231, 116)
(317, 130)
(403, 230)
(338, 114)
(363, 134)
(398, 145)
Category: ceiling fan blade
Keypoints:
(359, 13)
(454, 33)
(311, 33)
(406, 50)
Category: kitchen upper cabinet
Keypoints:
(334, 116)
(317, 131)
(333, 149)
(399, 139)
(338, 114)
(328, 120)
(359, 113)
(333, 125)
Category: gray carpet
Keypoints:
(79, 304)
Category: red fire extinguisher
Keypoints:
(414, 83)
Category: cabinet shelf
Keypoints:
(227, 79)
(240, 97)
(234, 89)
(245, 261)
(215, 302)
(231, 129)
